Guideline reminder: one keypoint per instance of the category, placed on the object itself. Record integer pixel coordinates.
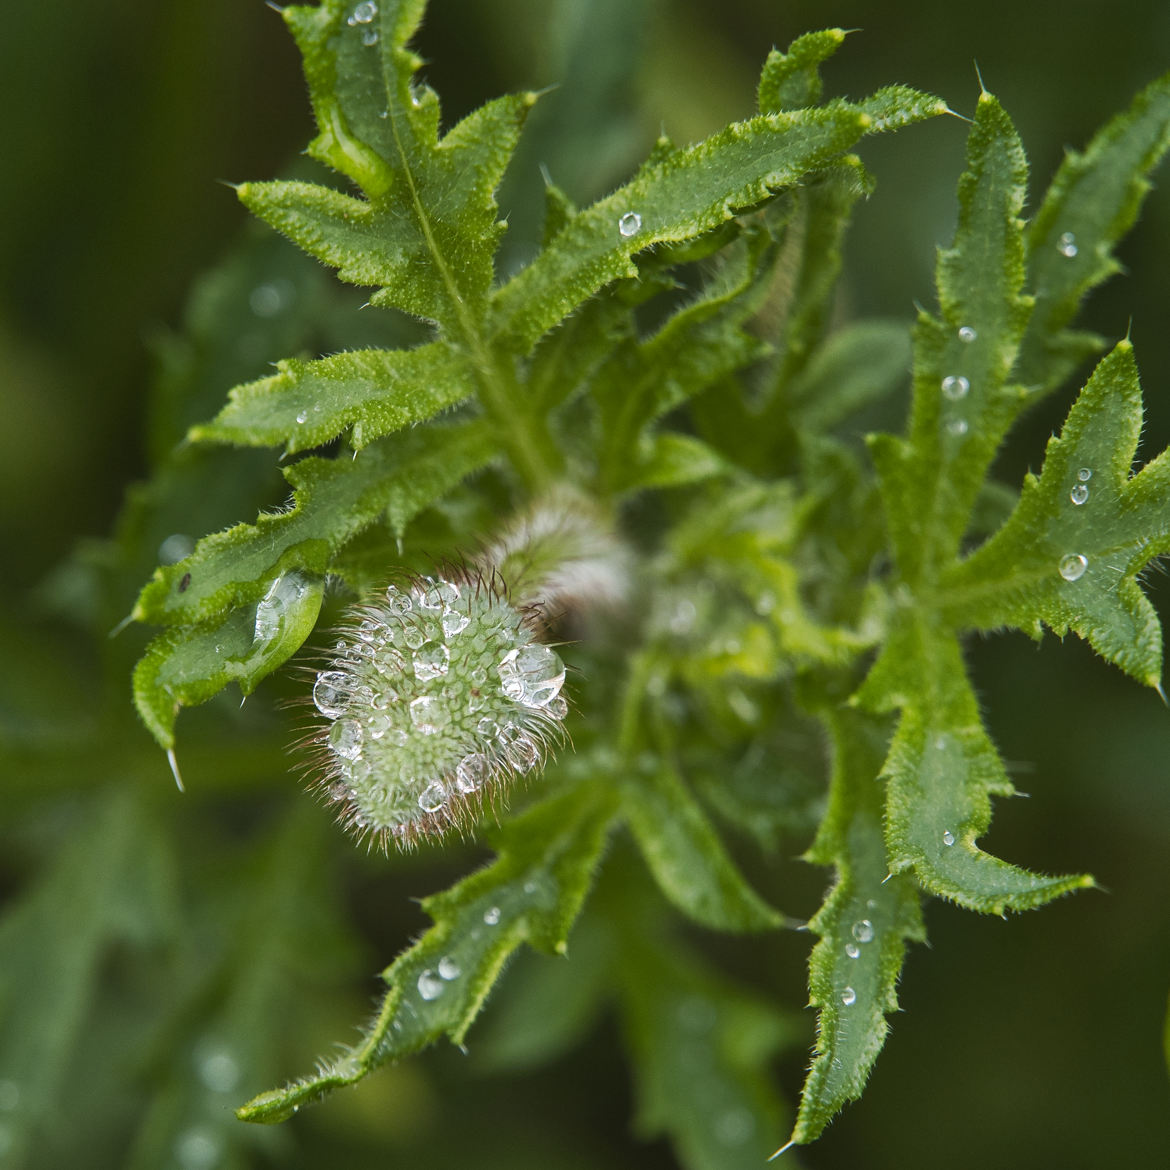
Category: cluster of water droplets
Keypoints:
(861, 933)
(1066, 245)
(437, 692)
(433, 981)
(362, 17)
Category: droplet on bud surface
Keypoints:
(345, 738)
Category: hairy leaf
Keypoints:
(864, 926)
(1070, 554)
(531, 893)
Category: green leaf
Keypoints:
(686, 856)
(112, 884)
(426, 231)
(1092, 202)
(962, 404)
(1070, 554)
(376, 392)
(333, 500)
(941, 773)
(701, 1047)
(680, 195)
(864, 926)
(190, 664)
(531, 893)
(790, 81)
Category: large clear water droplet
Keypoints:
(364, 13)
(431, 660)
(852, 950)
(863, 931)
(273, 607)
(413, 635)
(848, 996)
(426, 714)
(454, 623)
(1079, 493)
(630, 224)
(1073, 566)
(397, 602)
(430, 986)
(524, 753)
(331, 693)
(1085, 474)
(967, 334)
(345, 738)
(471, 772)
(955, 386)
(449, 969)
(948, 837)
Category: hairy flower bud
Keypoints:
(435, 698)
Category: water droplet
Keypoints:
(957, 427)
(431, 661)
(1073, 566)
(848, 996)
(955, 386)
(433, 797)
(470, 772)
(282, 594)
(175, 548)
(449, 969)
(357, 770)
(1085, 474)
(302, 416)
(1079, 493)
(267, 300)
(630, 224)
(430, 986)
(558, 708)
(397, 602)
(216, 1066)
(852, 950)
(524, 753)
(488, 727)
(454, 623)
(413, 636)
(948, 837)
(532, 675)
(378, 724)
(491, 916)
(863, 931)
(198, 1148)
(370, 36)
(364, 13)
(1067, 245)
(345, 738)
(967, 334)
(426, 714)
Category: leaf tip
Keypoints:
(787, 1146)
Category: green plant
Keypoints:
(658, 410)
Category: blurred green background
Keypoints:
(1037, 1042)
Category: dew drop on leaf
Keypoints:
(967, 334)
(948, 837)
(848, 996)
(955, 386)
(630, 224)
(852, 950)
(430, 986)
(449, 969)
(1079, 494)
(1073, 566)
(863, 931)
(1085, 474)
(957, 427)
(370, 36)
(364, 13)
(491, 916)
(1067, 245)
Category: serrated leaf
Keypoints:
(864, 926)
(1092, 202)
(1070, 554)
(673, 460)
(683, 194)
(941, 773)
(962, 404)
(686, 856)
(792, 80)
(531, 893)
(186, 666)
(375, 391)
(426, 231)
(333, 500)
